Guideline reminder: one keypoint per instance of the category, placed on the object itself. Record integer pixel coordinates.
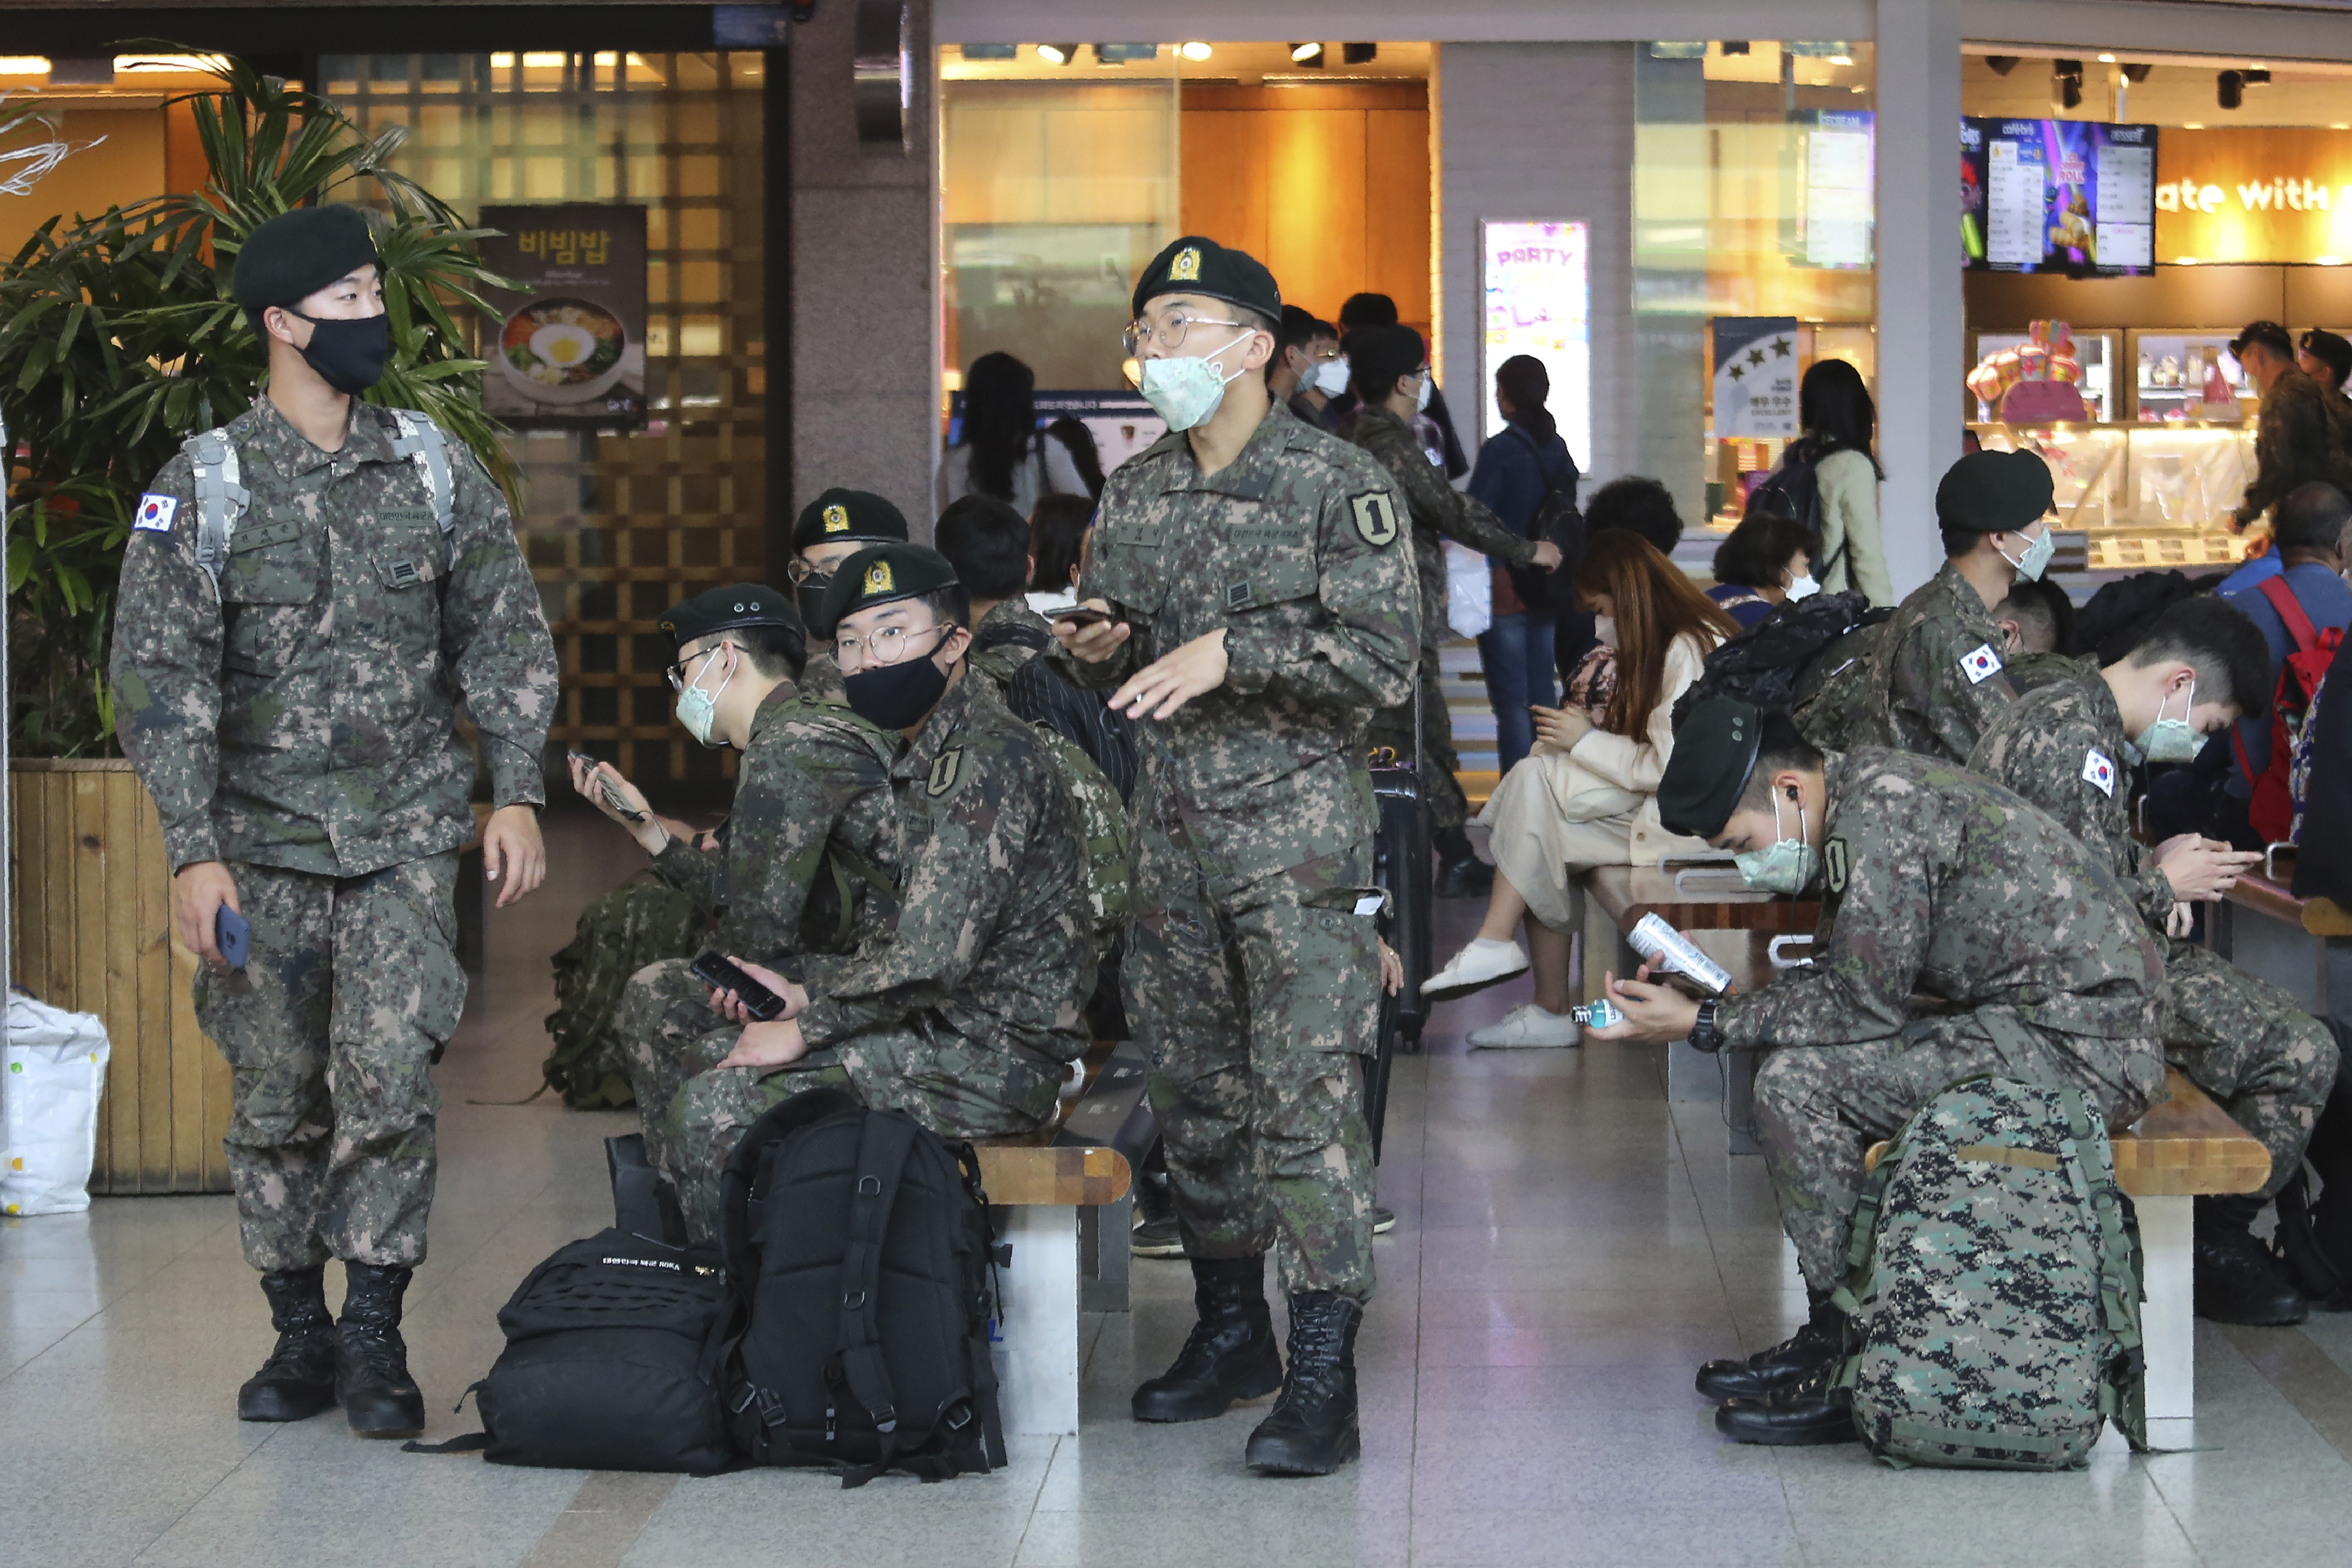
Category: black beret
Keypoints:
(1196, 265)
(297, 253)
(1715, 751)
(2331, 349)
(1993, 492)
(726, 609)
(881, 575)
(848, 516)
(2269, 334)
(1376, 356)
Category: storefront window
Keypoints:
(1754, 250)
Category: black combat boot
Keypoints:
(297, 1381)
(2237, 1279)
(1312, 1429)
(1798, 1416)
(1816, 1342)
(1231, 1353)
(379, 1398)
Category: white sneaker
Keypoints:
(1476, 967)
(1527, 1027)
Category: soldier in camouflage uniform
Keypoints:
(1390, 367)
(2068, 747)
(1936, 884)
(830, 529)
(295, 718)
(1935, 676)
(987, 543)
(2300, 431)
(1262, 606)
(967, 1015)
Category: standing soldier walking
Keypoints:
(306, 596)
(1261, 606)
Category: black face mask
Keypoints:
(808, 597)
(896, 696)
(348, 355)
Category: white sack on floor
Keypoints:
(51, 1071)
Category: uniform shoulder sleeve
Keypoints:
(494, 636)
(165, 665)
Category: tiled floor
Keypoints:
(1568, 1249)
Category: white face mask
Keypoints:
(1186, 392)
(1605, 628)
(1421, 398)
(697, 710)
(1331, 376)
(1803, 588)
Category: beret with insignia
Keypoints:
(297, 253)
(847, 517)
(881, 575)
(733, 607)
(1993, 493)
(1197, 265)
(1715, 751)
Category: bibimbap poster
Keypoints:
(571, 349)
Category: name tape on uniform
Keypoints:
(2099, 771)
(1981, 665)
(156, 512)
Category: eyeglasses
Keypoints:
(801, 571)
(885, 646)
(1142, 334)
(676, 673)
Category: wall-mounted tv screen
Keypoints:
(2074, 196)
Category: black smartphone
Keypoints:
(1083, 615)
(721, 973)
(233, 935)
(613, 797)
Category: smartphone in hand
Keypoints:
(233, 935)
(721, 973)
(1083, 615)
(613, 797)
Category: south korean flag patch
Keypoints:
(1981, 665)
(2099, 771)
(155, 513)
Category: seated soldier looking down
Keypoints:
(2036, 621)
(967, 1015)
(986, 544)
(2068, 748)
(1935, 883)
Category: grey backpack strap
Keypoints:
(421, 441)
(220, 499)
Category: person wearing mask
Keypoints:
(1362, 310)
(1057, 543)
(1839, 420)
(2309, 543)
(1932, 882)
(1518, 468)
(1309, 371)
(1763, 564)
(1588, 794)
(999, 450)
(987, 544)
(2298, 438)
(829, 530)
(2068, 747)
(1934, 677)
(1252, 601)
(2326, 358)
(1391, 367)
(308, 596)
(966, 1015)
(811, 835)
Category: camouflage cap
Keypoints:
(879, 575)
(847, 517)
(1715, 751)
(1198, 265)
(297, 253)
(726, 609)
(1993, 492)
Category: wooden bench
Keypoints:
(1061, 1199)
(2301, 945)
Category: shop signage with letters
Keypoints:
(2254, 194)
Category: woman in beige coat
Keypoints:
(1587, 796)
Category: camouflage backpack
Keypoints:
(1837, 697)
(641, 922)
(1993, 1286)
(1102, 818)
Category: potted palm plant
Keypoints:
(118, 341)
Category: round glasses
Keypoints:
(885, 646)
(1170, 334)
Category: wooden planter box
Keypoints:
(90, 902)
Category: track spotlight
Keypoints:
(1196, 51)
(2135, 72)
(2256, 76)
(2066, 68)
(1359, 54)
(2070, 93)
(1307, 55)
(2229, 89)
(2001, 65)
(1057, 54)
(1735, 45)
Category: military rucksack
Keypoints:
(1993, 1286)
(642, 921)
(1768, 665)
(221, 500)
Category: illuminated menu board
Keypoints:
(2057, 195)
(1535, 280)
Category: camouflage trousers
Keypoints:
(2245, 1042)
(329, 1031)
(1257, 1011)
(1448, 807)
(696, 1111)
(1820, 1108)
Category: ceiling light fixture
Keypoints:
(1196, 51)
(2000, 65)
(2106, 60)
(2229, 89)
(2256, 76)
(1359, 54)
(1057, 54)
(1307, 55)
(2136, 72)
(1735, 45)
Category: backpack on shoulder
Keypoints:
(858, 1244)
(1557, 520)
(1772, 664)
(2277, 801)
(1993, 1286)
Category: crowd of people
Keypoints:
(1093, 764)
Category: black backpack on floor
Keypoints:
(858, 1246)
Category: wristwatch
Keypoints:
(1704, 1035)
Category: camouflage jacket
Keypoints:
(1008, 637)
(1935, 676)
(2298, 438)
(1439, 512)
(305, 715)
(993, 939)
(1938, 883)
(2031, 672)
(812, 843)
(1293, 551)
(2062, 748)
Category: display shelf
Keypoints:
(2142, 496)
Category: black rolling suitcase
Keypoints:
(1401, 867)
